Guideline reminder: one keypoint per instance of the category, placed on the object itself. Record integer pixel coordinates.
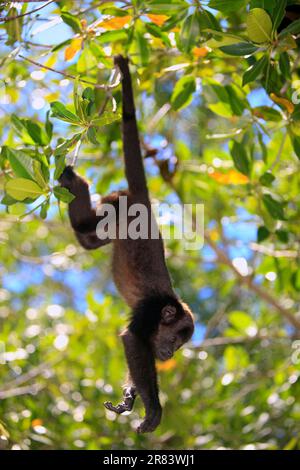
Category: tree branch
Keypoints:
(11, 18)
(274, 253)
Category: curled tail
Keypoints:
(134, 168)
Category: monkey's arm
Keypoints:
(142, 370)
(82, 216)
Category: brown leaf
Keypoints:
(288, 105)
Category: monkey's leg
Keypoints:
(129, 394)
(142, 370)
(82, 216)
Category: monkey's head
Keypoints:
(164, 321)
(174, 329)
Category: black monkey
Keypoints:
(160, 322)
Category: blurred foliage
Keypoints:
(217, 91)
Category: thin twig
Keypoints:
(26, 390)
(11, 18)
(225, 341)
(67, 75)
(31, 374)
(274, 253)
(36, 44)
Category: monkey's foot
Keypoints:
(150, 422)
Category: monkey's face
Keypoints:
(173, 331)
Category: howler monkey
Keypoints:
(160, 323)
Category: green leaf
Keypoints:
(113, 11)
(48, 125)
(278, 13)
(267, 179)
(71, 21)
(235, 358)
(282, 235)
(255, 70)
(285, 65)
(296, 145)
(208, 20)
(259, 26)
(36, 132)
(92, 135)
(107, 118)
(239, 49)
(274, 207)
(240, 158)
(242, 322)
(263, 147)
(44, 209)
(13, 27)
(236, 101)
(8, 200)
(61, 112)
(262, 233)
(227, 6)
(156, 31)
(21, 188)
(295, 280)
(190, 31)
(65, 145)
(165, 6)
(296, 113)
(183, 91)
(173, 20)
(38, 174)
(268, 114)
(142, 47)
(293, 28)
(113, 36)
(20, 163)
(60, 163)
(28, 128)
(61, 45)
(63, 194)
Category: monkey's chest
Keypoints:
(139, 270)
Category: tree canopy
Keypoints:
(217, 94)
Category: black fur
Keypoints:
(147, 315)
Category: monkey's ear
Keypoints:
(168, 314)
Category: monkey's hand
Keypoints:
(129, 395)
(67, 177)
(151, 421)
